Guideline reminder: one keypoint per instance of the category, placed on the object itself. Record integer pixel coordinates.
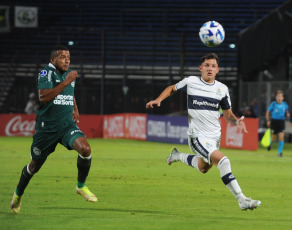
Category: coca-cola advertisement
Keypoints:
(17, 124)
(24, 125)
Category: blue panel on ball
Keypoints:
(210, 33)
(220, 33)
(212, 24)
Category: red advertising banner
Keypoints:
(135, 126)
(91, 125)
(24, 125)
(128, 125)
(113, 126)
(232, 138)
(17, 124)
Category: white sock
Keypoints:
(189, 159)
(228, 178)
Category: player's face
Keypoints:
(209, 69)
(62, 61)
(279, 98)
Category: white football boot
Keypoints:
(247, 203)
(173, 157)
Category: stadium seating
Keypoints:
(142, 39)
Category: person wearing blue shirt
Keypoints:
(277, 112)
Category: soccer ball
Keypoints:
(212, 34)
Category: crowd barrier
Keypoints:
(170, 129)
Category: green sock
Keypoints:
(23, 181)
(80, 185)
(17, 192)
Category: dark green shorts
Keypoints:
(45, 142)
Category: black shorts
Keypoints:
(45, 142)
(277, 126)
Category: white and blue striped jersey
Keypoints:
(204, 101)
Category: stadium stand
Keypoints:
(134, 43)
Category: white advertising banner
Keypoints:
(26, 17)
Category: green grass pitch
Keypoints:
(138, 190)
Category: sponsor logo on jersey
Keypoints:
(76, 131)
(208, 145)
(205, 103)
(43, 73)
(64, 100)
(219, 92)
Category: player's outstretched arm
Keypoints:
(165, 94)
(46, 95)
(232, 119)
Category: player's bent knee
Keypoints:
(85, 150)
(82, 147)
(205, 169)
(203, 166)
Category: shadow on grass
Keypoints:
(108, 210)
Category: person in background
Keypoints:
(277, 111)
(255, 107)
(248, 112)
(31, 105)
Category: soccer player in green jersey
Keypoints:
(56, 123)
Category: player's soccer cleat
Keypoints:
(89, 196)
(280, 154)
(173, 157)
(269, 148)
(248, 203)
(15, 204)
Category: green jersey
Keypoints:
(54, 115)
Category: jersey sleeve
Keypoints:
(182, 85)
(225, 102)
(270, 108)
(45, 80)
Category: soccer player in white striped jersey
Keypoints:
(205, 97)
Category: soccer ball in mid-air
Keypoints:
(212, 34)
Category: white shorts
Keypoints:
(204, 147)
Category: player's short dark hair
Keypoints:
(210, 56)
(55, 49)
